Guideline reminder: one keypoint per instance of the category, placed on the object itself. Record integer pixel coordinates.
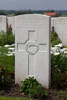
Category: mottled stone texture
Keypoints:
(32, 48)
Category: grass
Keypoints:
(54, 39)
(11, 98)
(6, 62)
(65, 46)
(62, 93)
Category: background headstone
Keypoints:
(11, 22)
(3, 23)
(60, 26)
(32, 48)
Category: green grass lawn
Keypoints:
(6, 61)
(11, 98)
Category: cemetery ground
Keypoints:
(7, 58)
(58, 68)
(30, 87)
(15, 98)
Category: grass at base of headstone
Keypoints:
(62, 93)
(13, 98)
(7, 62)
(54, 39)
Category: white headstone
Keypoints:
(3, 23)
(11, 21)
(60, 26)
(32, 48)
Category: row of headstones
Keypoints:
(59, 25)
(32, 47)
(32, 40)
(6, 22)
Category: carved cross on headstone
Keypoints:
(31, 46)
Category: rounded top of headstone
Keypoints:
(32, 15)
(2, 16)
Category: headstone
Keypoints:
(32, 48)
(11, 22)
(3, 23)
(60, 26)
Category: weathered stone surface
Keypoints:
(32, 48)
